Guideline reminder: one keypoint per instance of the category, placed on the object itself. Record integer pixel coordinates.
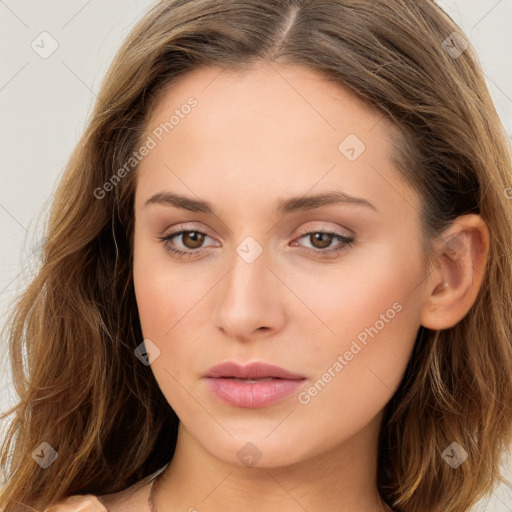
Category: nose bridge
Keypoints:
(247, 299)
(246, 281)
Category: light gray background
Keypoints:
(45, 104)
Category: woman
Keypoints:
(277, 275)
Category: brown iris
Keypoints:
(196, 239)
(324, 239)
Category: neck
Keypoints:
(341, 480)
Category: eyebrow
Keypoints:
(283, 206)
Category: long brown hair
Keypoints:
(74, 330)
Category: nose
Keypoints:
(250, 299)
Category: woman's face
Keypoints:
(329, 290)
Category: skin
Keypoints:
(254, 138)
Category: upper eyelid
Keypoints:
(301, 232)
(334, 231)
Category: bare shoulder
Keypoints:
(132, 499)
(124, 501)
(82, 503)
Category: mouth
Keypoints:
(253, 386)
(250, 381)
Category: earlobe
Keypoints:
(454, 284)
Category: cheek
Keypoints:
(163, 289)
(165, 303)
(152, 291)
(371, 319)
(169, 299)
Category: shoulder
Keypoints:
(128, 500)
(82, 503)
(132, 499)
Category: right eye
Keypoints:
(191, 242)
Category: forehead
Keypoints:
(236, 96)
(281, 130)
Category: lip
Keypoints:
(257, 370)
(263, 383)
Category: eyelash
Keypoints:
(346, 243)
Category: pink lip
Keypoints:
(251, 371)
(223, 381)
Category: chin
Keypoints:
(259, 451)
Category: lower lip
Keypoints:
(253, 394)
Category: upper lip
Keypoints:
(251, 371)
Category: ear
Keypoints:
(453, 284)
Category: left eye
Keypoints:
(192, 241)
(321, 242)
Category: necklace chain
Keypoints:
(151, 499)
